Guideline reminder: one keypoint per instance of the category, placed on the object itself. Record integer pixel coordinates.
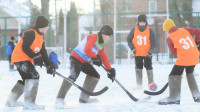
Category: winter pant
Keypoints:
(11, 67)
(9, 58)
(139, 78)
(14, 95)
(174, 91)
(76, 67)
(193, 87)
(64, 89)
(27, 70)
(89, 84)
(178, 70)
(147, 62)
(30, 94)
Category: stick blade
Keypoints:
(95, 93)
(144, 99)
(158, 92)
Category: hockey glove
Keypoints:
(134, 52)
(148, 56)
(111, 74)
(38, 60)
(198, 45)
(51, 69)
(97, 61)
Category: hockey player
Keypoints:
(30, 48)
(141, 40)
(90, 50)
(182, 45)
(10, 48)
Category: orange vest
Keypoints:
(187, 52)
(141, 41)
(19, 55)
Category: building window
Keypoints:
(152, 6)
(127, 5)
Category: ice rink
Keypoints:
(113, 100)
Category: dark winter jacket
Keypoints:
(28, 39)
(130, 38)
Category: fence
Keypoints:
(80, 25)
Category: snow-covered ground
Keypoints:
(113, 100)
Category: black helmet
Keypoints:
(107, 30)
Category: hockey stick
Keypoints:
(127, 92)
(158, 92)
(82, 89)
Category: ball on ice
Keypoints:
(153, 86)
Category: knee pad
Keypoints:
(21, 82)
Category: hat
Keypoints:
(41, 22)
(142, 17)
(21, 34)
(12, 38)
(168, 24)
(107, 30)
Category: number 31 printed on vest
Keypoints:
(186, 42)
(141, 39)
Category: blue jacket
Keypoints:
(10, 48)
(54, 58)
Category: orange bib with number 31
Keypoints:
(19, 55)
(187, 51)
(141, 41)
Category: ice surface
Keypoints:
(114, 100)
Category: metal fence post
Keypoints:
(5, 38)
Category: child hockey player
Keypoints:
(90, 50)
(30, 48)
(141, 40)
(182, 45)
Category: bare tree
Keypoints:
(34, 13)
(106, 19)
(105, 8)
(45, 7)
(45, 12)
(72, 27)
(183, 19)
(61, 22)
